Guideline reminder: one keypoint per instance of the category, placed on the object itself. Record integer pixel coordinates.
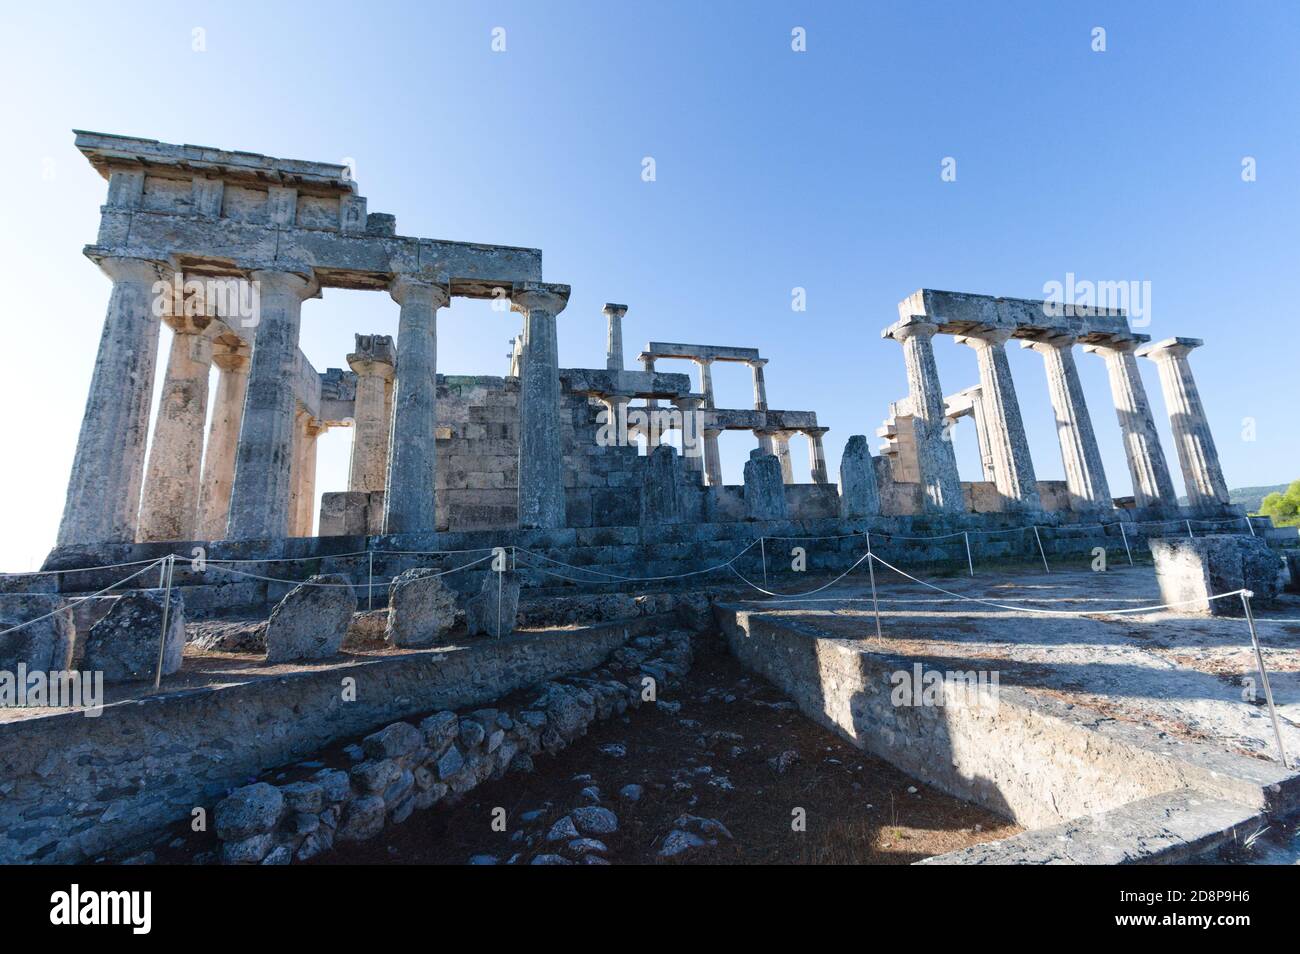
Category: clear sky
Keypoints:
(775, 169)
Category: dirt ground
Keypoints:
(709, 759)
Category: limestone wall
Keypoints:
(74, 787)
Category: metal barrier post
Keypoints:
(1123, 534)
(1263, 675)
(970, 565)
(762, 548)
(1190, 535)
(871, 568)
(1041, 552)
(370, 580)
(169, 565)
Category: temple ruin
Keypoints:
(436, 453)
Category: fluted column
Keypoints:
(1084, 475)
(1013, 466)
(692, 438)
(170, 508)
(935, 459)
(987, 470)
(781, 447)
(541, 453)
(765, 443)
(373, 361)
(103, 498)
(706, 380)
(816, 454)
(712, 457)
(760, 385)
(1197, 455)
(651, 406)
(614, 337)
(259, 501)
(223, 439)
(304, 474)
(1152, 485)
(409, 505)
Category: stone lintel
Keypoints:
(697, 352)
(651, 385)
(961, 312)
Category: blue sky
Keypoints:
(775, 169)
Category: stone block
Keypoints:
(124, 644)
(859, 495)
(312, 619)
(764, 487)
(496, 607)
(421, 609)
(40, 646)
(1196, 568)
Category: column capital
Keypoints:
(914, 327)
(1169, 347)
(374, 355)
(1049, 342)
(703, 360)
(614, 311)
(187, 324)
(813, 431)
(545, 296)
(287, 282)
(757, 362)
(981, 337)
(1117, 344)
(416, 288)
(230, 358)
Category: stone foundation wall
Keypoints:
(74, 787)
(1031, 759)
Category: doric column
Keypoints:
(1084, 475)
(1152, 485)
(170, 508)
(103, 497)
(692, 443)
(1202, 473)
(259, 502)
(987, 470)
(706, 380)
(410, 480)
(307, 429)
(373, 361)
(651, 405)
(516, 356)
(816, 454)
(935, 459)
(781, 447)
(712, 458)
(1012, 464)
(223, 438)
(765, 443)
(760, 386)
(614, 338)
(541, 453)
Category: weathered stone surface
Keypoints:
(859, 495)
(312, 619)
(394, 741)
(764, 488)
(496, 607)
(248, 811)
(362, 819)
(124, 644)
(440, 730)
(41, 646)
(595, 820)
(1190, 570)
(421, 609)
(661, 488)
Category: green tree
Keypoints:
(1284, 507)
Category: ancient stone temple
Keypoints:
(227, 247)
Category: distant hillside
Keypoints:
(1248, 497)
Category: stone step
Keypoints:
(1171, 828)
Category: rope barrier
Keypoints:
(79, 599)
(273, 579)
(633, 579)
